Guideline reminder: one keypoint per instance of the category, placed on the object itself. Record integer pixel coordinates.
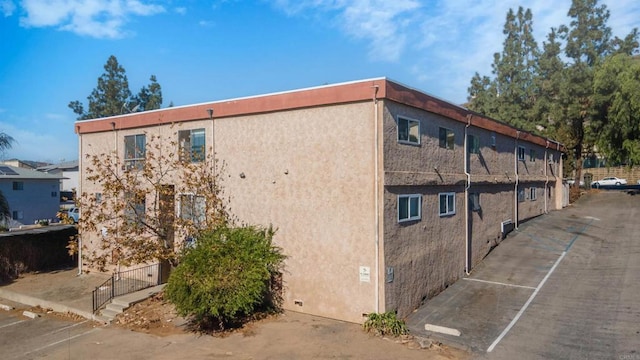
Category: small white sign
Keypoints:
(365, 274)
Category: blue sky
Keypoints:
(53, 51)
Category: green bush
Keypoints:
(385, 324)
(227, 277)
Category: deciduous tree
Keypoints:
(132, 211)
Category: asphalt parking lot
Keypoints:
(563, 286)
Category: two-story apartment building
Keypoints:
(382, 195)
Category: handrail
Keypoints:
(126, 282)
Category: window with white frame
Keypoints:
(447, 203)
(192, 207)
(474, 202)
(520, 195)
(473, 144)
(447, 138)
(191, 145)
(532, 155)
(409, 207)
(134, 150)
(408, 131)
(521, 152)
(532, 194)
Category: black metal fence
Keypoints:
(125, 282)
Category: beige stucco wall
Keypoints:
(310, 174)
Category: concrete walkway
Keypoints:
(64, 291)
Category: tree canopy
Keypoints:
(112, 96)
(560, 91)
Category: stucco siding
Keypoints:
(425, 255)
(310, 174)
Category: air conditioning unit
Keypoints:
(506, 227)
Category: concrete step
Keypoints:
(109, 314)
(115, 306)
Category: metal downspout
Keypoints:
(375, 197)
(466, 196)
(546, 175)
(79, 191)
(517, 179)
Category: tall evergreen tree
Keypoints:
(617, 104)
(113, 97)
(510, 95)
(149, 97)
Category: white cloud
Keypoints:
(7, 7)
(95, 18)
(443, 39)
(181, 10)
(383, 23)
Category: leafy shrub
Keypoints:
(226, 277)
(385, 324)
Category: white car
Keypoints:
(609, 181)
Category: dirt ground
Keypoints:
(304, 336)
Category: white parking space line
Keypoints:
(13, 323)
(68, 327)
(526, 305)
(61, 341)
(499, 283)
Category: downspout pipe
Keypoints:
(515, 163)
(375, 196)
(467, 232)
(79, 191)
(546, 175)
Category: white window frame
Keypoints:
(533, 194)
(409, 127)
(450, 207)
(444, 143)
(409, 198)
(521, 153)
(197, 210)
(473, 144)
(186, 149)
(135, 157)
(474, 202)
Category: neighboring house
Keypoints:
(382, 195)
(31, 195)
(25, 164)
(69, 172)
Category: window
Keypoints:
(191, 145)
(521, 195)
(521, 152)
(532, 155)
(17, 215)
(134, 209)
(446, 138)
(134, 151)
(18, 185)
(493, 140)
(409, 207)
(473, 144)
(532, 194)
(474, 202)
(192, 207)
(408, 131)
(54, 194)
(98, 198)
(447, 204)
